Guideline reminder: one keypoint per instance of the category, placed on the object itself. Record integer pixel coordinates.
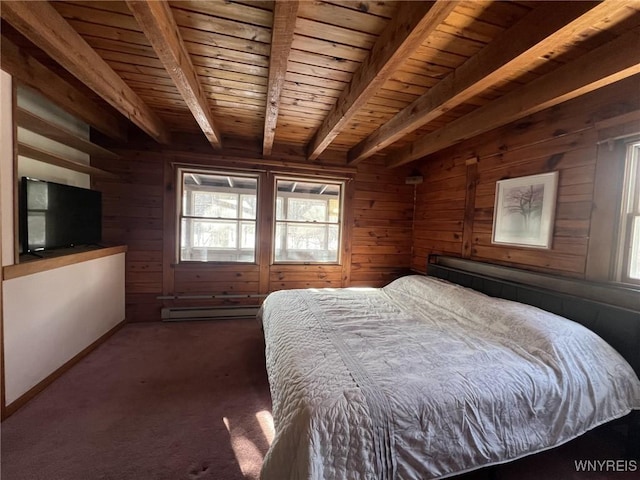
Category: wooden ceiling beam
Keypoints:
(607, 64)
(48, 30)
(284, 22)
(33, 74)
(159, 26)
(411, 25)
(535, 35)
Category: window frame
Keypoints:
(342, 184)
(182, 171)
(629, 211)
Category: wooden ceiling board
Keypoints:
(213, 91)
(313, 81)
(501, 14)
(118, 46)
(108, 32)
(337, 15)
(292, 133)
(305, 105)
(330, 49)
(106, 5)
(155, 87)
(319, 72)
(404, 97)
(238, 12)
(145, 81)
(120, 18)
(331, 33)
(152, 73)
(240, 101)
(123, 57)
(208, 23)
(440, 46)
(220, 53)
(380, 8)
(324, 61)
(218, 39)
(464, 26)
(451, 43)
(229, 46)
(291, 116)
(309, 92)
(219, 74)
(232, 85)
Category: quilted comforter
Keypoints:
(425, 379)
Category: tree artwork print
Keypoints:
(524, 210)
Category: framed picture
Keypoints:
(524, 210)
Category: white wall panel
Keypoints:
(51, 316)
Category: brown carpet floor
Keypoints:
(156, 401)
(190, 401)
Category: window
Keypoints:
(308, 221)
(630, 221)
(217, 217)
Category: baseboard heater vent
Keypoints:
(208, 313)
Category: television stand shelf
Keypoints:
(30, 264)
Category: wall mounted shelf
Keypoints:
(52, 159)
(36, 124)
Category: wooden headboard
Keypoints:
(617, 325)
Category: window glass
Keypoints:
(306, 210)
(629, 256)
(248, 206)
(634, 256)
(218, 217)
(308, 221)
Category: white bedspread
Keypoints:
(425, 379)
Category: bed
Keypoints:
(425, 378)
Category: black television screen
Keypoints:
(53, 215)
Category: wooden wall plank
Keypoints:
(139, 212)
(470, 206)
(563, 138)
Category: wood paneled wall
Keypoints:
(390, 226)
(139, 211)
(382, 224)
(133, 216)
(454, 206)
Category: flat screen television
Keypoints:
(53, 215)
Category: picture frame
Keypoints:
(525, 210)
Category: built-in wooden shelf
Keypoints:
(39, 125)
(58, 258)
(52, 159)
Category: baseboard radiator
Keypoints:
(208, 313)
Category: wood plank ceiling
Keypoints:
(350, 78)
